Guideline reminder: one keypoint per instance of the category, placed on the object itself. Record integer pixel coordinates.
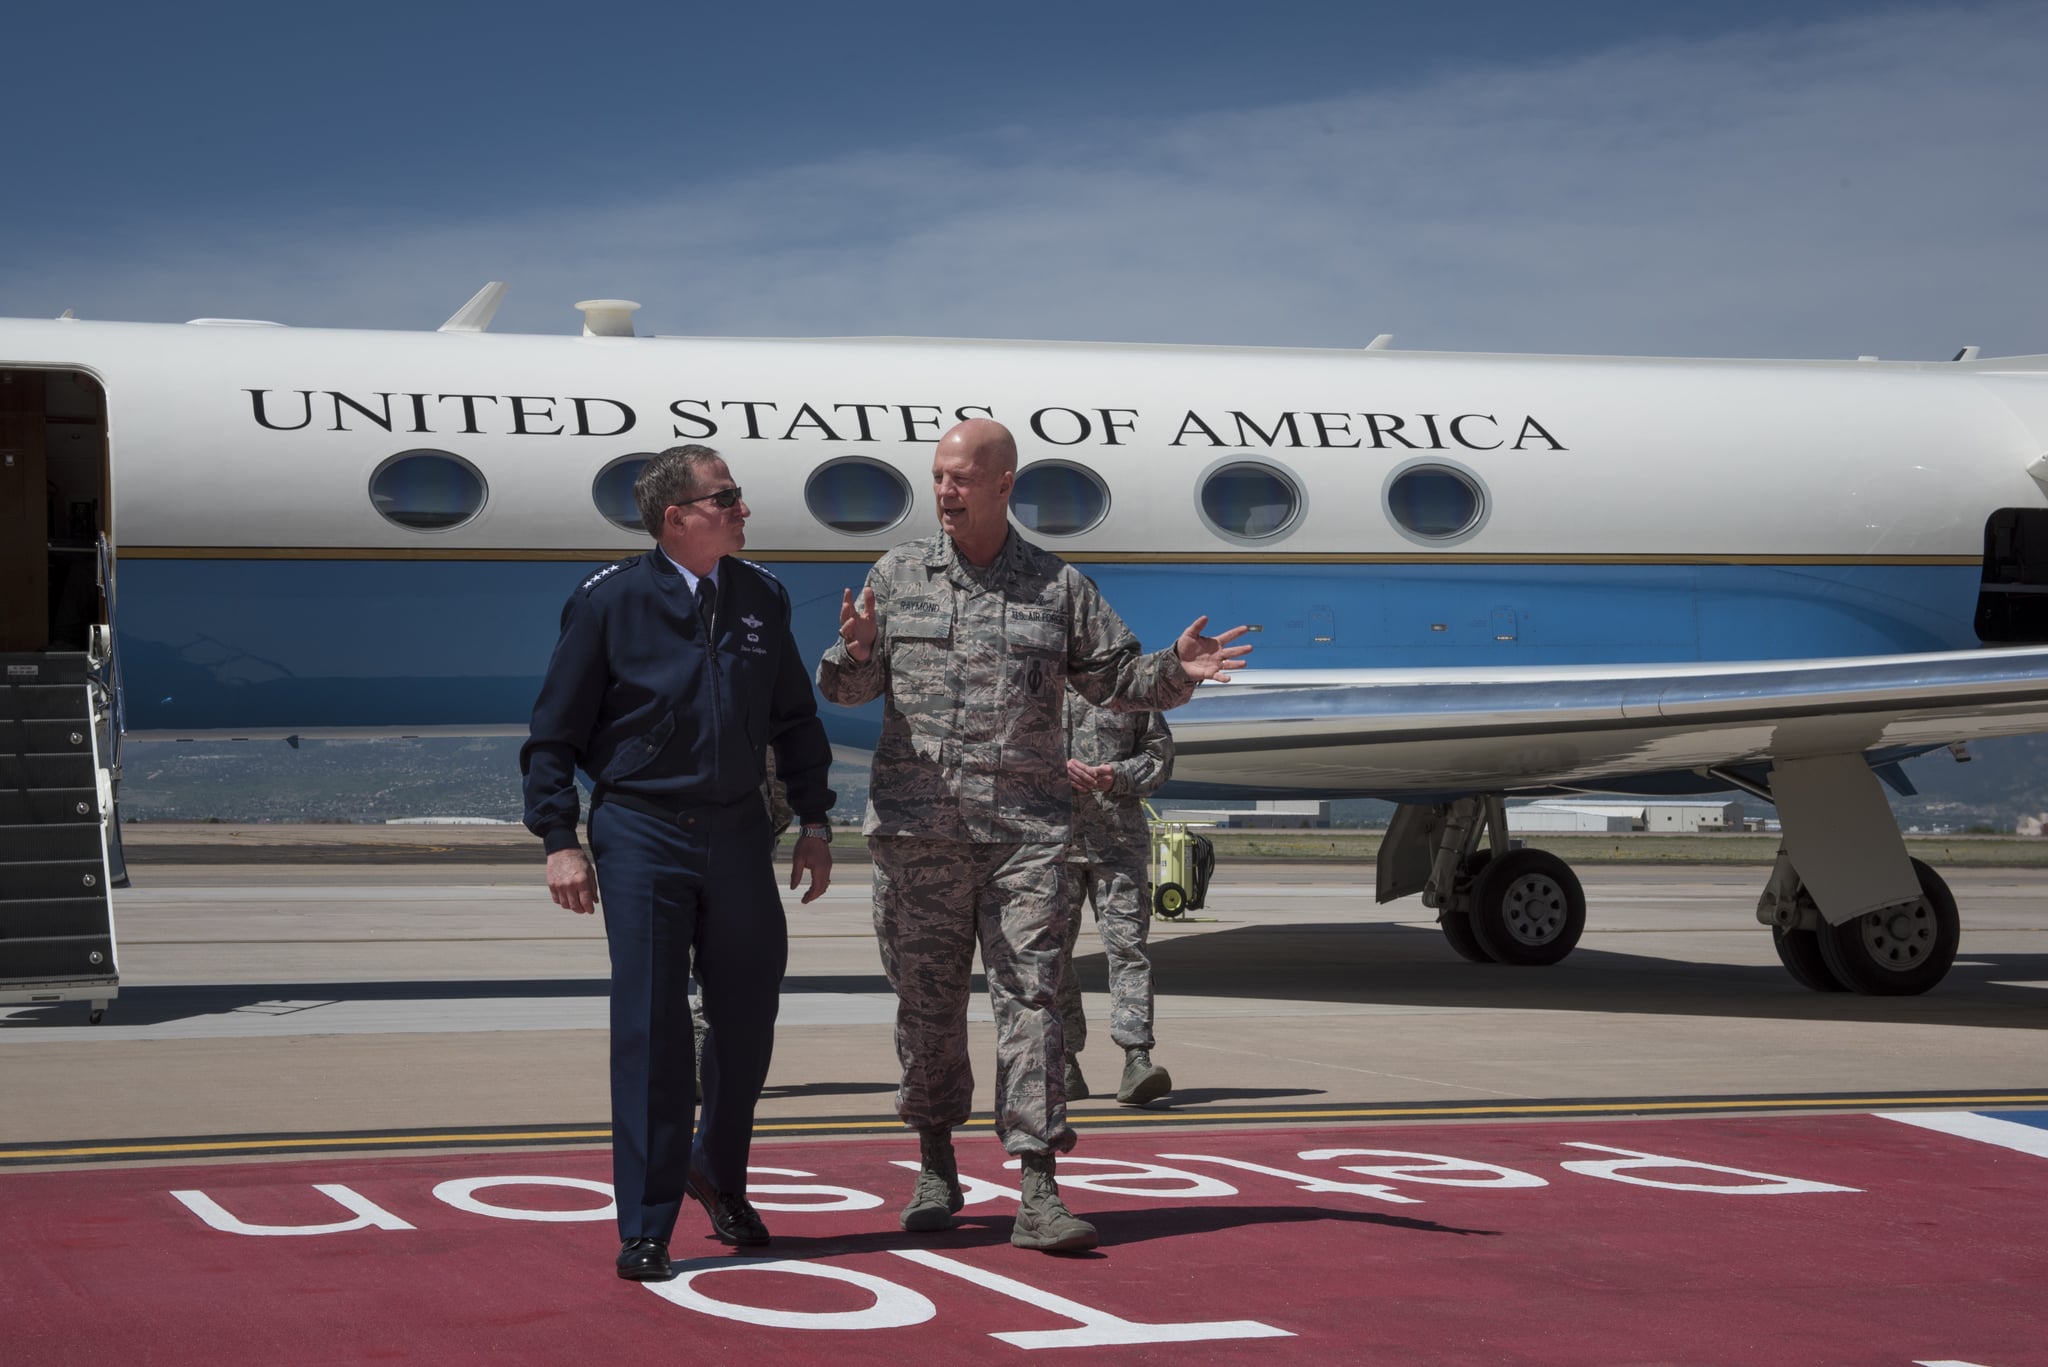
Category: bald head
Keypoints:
(972, 471)
(985, 442)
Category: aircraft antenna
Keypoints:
(1381, 342)
(476, 315)
(1968, 353)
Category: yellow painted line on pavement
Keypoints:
(1619, 1108)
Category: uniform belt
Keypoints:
(679, 812)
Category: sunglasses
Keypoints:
(724, 498)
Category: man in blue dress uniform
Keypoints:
(674, 671)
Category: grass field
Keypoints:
(1363, 846)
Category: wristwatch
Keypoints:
(823, 833)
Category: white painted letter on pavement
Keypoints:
(461, 1194)
(1613, 1170)
(895, 1307)
(1097, 1328)
(369, 1215)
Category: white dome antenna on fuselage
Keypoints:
(607, 317)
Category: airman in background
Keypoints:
(1115, 760)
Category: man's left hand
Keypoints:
(1210, 657)
(814, 856)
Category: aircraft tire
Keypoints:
(1799, 951)
(1528, 908)
(1457, 925)
(1897, 953)
(1457, 929)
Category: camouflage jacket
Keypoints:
(973, 665)
(1140, 748)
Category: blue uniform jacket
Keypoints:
(636, 699)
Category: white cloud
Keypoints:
(1877, 185)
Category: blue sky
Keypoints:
(1790, 179)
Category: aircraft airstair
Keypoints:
(56, 795)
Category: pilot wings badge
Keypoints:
(752, 621)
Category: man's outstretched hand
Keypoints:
(857, 624)
(1210, 657)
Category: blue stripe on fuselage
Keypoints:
(210, 645)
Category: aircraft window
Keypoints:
(427, 491)
(1250, 500)
(1435, 501)
(1054, 498)
(612, 491)
(857, 495)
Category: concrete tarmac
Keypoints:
(301, 998)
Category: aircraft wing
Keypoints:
(1389, 733)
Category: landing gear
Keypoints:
(1528, 908)
(1457, 924)
(1898, 951)
(1792, 917)
(1799, 951)
(1494, 903)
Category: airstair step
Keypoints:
(33, 843)
(56, 958)
(48, 736)
(52, 878)
(52, 918)
(48, 806)
(35, 702)
(43, 667)
(46, 771)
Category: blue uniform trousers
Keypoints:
(700, 883)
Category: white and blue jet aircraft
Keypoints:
(1471, 576)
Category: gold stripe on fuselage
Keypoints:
(858, 555)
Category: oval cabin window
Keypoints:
(857, 495)
(1053, 498)
(1435, 501)
(612, 491)
(427, 491)
(1250, 500)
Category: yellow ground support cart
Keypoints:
(1182, 861)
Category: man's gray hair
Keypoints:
(667, 479)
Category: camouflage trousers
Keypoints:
(935, 900)
(1117, 888)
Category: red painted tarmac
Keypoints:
(1847, 1239)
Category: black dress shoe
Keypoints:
(733, 1219)
(645, 1260)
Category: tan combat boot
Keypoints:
(1043, 1220)
(1144, 1081)
(1077, 1086)
(937, 1194)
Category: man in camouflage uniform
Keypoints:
(1115, 760)
(972, 638)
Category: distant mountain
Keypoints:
(2004, 779)
(375, 780)
(347, 780)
